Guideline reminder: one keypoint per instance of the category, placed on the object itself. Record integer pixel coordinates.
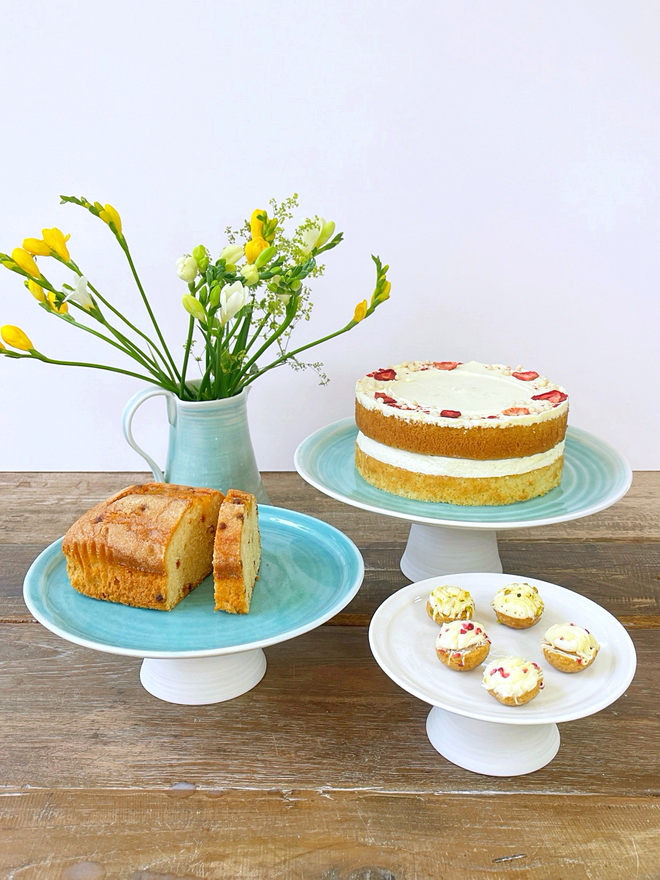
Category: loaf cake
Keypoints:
(147, 546)
(464, 433)
(237, 553)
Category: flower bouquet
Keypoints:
(241, 307)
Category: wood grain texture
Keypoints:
(325, 715)
(41, 506)
(303, 834)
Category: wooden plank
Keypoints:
(41, 506)
(325, 715)
(624, 578)
(283, 835)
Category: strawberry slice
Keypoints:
(526, 377)
(383, 375)
(553, 396)
(380, 395)
(516, 411)
(450, 414)
(445, 365)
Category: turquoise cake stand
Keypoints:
(447, 538)
(193, 655)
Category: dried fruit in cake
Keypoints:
(447, 603)
(513, 680)
(518, 605)
(569, 648)
(237, 553)
(462, 645)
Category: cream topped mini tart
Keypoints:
(462, 644)
(513, 680)
(449, 603)
(518, 605)
(465, 433)
(569, 648)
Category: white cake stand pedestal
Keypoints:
(446, 538)
(491, 749)
(198, 681)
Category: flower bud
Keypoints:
(232, 300)
(25, 262)
(250, 273)
(186, 268)
(360, 311)
(15, 337)
(110, 215)
(201, 256)
(256, 224)
(36, 246)
(193, 307)
(231, 255)
(265, 257)
(36, 290)
(56, 241)
(254, 247)
(326, 233)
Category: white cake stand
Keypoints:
(193, 655)
(467, 725)
(450, 538)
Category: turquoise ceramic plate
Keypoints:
(595, 477)
(309, 572)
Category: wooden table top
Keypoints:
(324, 770)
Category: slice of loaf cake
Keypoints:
(237, 553)
(147, 546)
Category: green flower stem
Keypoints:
(124, 246)
(36, 355)
(184, 368)
(271, 339)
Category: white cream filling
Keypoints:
(441, 466)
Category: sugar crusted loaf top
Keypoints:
(134, 526)
(461, 394)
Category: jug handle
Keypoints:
(127, 419)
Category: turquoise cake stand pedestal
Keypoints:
(191, 654)
(447, 538)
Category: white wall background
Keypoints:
(502, 155)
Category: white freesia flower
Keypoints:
(232, 300)
(186, 268)
(316, 236)
(231, 255)
(250, 273)
(80, 294)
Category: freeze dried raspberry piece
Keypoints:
(385, 398)
(383, 375)
(515, 411)
(553, 396)
(526, 377)
(450, 414)
(445, 365)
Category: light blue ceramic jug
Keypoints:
(209, 443)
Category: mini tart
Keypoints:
(569, 648)
(462, 645)
(518, 605)
(513, 680)
(448, 603)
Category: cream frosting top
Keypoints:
(455, 394)
(461, 634)
(518, 600)
(567, 638)
(512, 677)
(451, 601)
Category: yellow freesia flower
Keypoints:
(36, 246)
(56, 241)
(61, 308)
(15, 337)
(25, 262)
(36, 290)
(256, 225)
(254, 248)
(383, 294)
(111, 215)
(360, 311)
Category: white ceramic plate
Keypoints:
(402, 638)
